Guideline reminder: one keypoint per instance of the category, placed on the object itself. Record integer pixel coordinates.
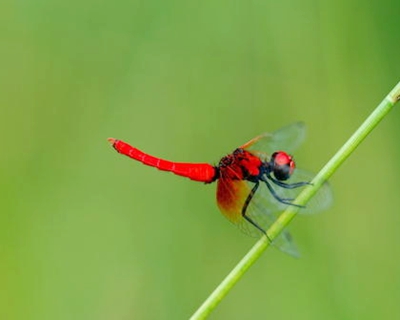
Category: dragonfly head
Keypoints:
(282, 165)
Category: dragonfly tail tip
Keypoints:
(111, 140)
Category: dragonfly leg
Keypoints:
(277, 197)
(246, 204)
(288, 185)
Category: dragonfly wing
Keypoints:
(288, 138)
(264, 213)
(321, 201)
(231, 197)
(284, 243)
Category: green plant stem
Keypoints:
(284, 219)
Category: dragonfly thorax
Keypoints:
(240, 165)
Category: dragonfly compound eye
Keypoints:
(283, 165)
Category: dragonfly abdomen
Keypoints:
(203, 172)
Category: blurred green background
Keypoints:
(88, 234)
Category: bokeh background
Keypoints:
(88, 234)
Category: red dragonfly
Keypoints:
(252, 182)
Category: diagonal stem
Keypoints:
(284, 219)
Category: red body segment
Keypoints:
(203, 172)
(239, 165)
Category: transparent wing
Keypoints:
(288, 138)
(264, 208)
(260, 211)
(321, 201)
(231, 197)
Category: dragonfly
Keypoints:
(255, 182)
